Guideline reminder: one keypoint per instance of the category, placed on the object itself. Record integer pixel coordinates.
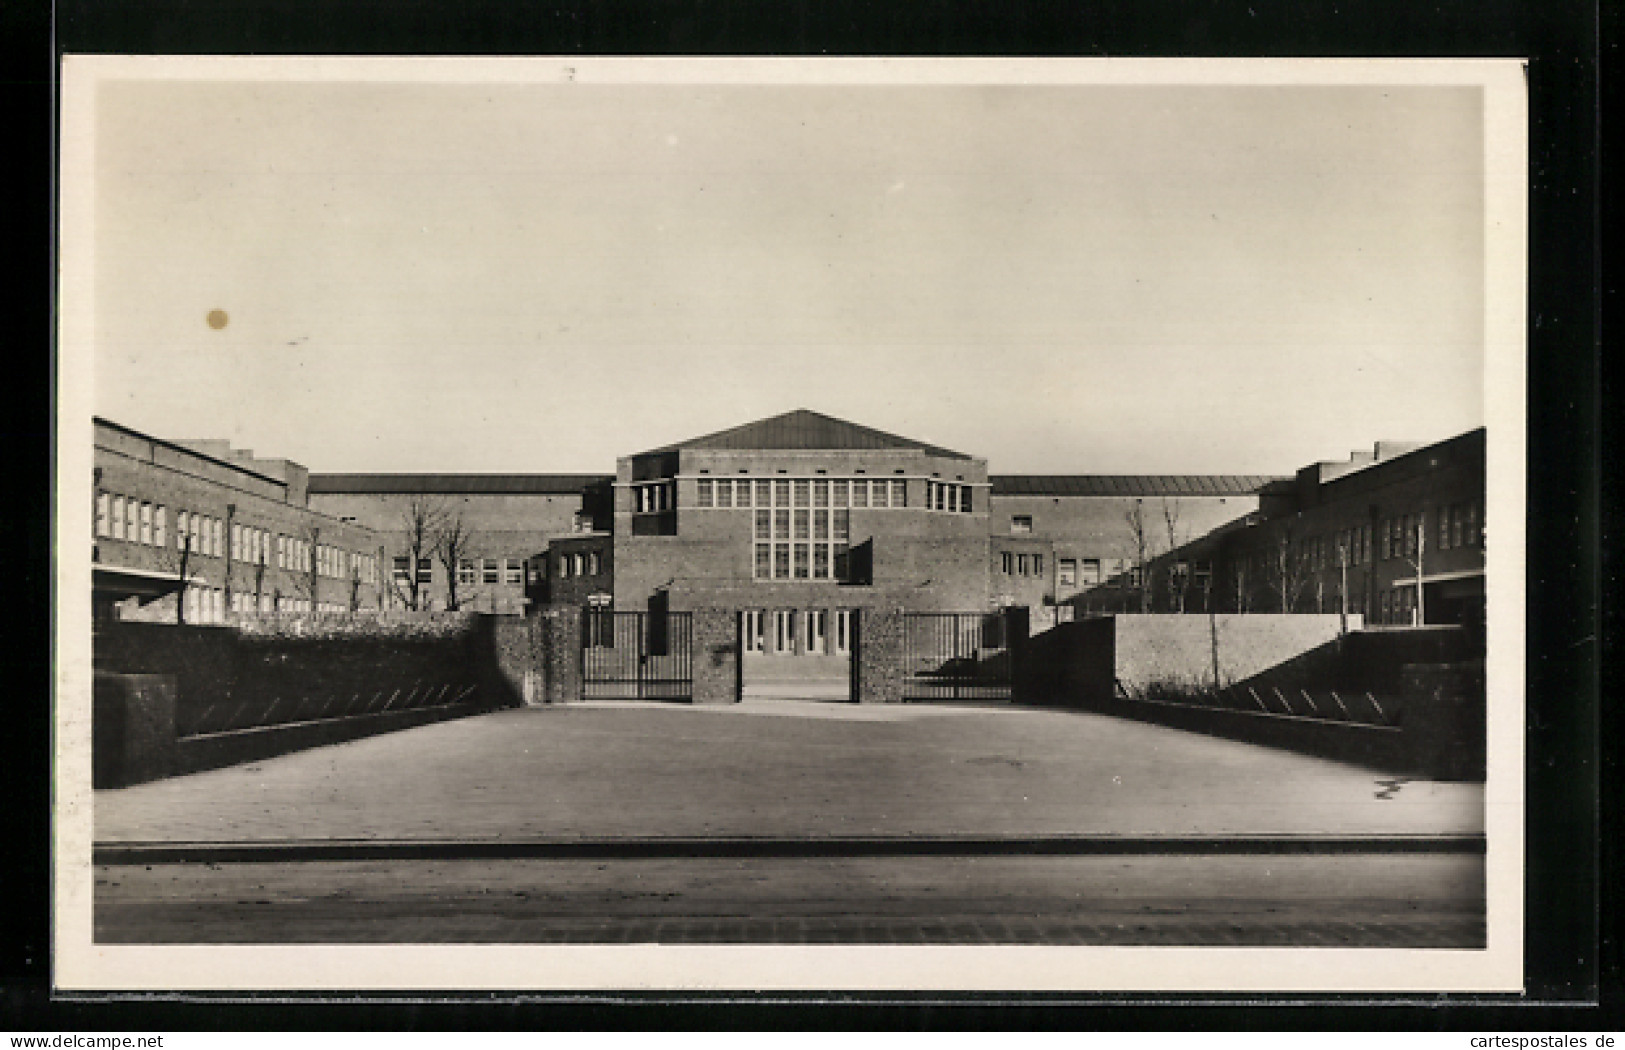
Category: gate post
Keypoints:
(879, 656)
(714, 648)
(562, 658)
(1017, 633)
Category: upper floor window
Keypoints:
(1021, 523)
(465, 571)
(1067, 572)
(490, 572)
(513, 571)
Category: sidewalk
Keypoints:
(783, 770)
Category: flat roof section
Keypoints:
(455, 484)
(1128, 484)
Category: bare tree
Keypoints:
(453, 542)
(1288, 571)
(307, 567)
(1141, 546)
(355, 583)
(1343, 583)
(1414, 553)
(1244, 586)
(181, 559)
(1179, 578)
(421, 519)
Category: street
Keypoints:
(462, 802)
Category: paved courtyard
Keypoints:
(784, 769)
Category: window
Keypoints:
(784, 631)
(579, 563)
(465, 571)
(132, 522)
(725, 493)
(1068, 572)
(1007, 563)
(160, 536)
(964, 499)
(843, 631)
(194, 525)
(595, 562)
(513, 571)
(491, 571)
(1090, 574)
(146, 523)
(564, 567)
(425, 570)
(751, 626)
(118, 517)
(899, 492)
(1021, 565)
(402, 570)
(104, 504)
(860, 493)
(1021, 523)
(703, 493)
(817, 630)
(764, 561)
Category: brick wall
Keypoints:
(715, 656)
(879, 656)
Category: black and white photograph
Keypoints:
(695, 524)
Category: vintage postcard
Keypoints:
(755, 525)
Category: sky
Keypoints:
(540, 277)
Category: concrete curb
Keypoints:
(315, 850)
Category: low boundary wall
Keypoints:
(1404, 715)
(174, 699)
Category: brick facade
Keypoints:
(251, 543)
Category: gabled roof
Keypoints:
(454, 484)
(1127, 484)
(804, 429)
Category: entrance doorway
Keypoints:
(796, 654)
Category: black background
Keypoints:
(1572, 953)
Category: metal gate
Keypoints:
(956, 656)
(636, 655)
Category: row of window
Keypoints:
(884, 493)
(469, 570)
(581, 563)
(655, 497)
(941, 495)
(209, 604)
(138, 521)
(1013, 564)
(786, 631)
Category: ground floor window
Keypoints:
(752, 627)
(843, 631)
(817, 631)
(784, 631)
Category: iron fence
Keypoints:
(956, 656)
(636, 655)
